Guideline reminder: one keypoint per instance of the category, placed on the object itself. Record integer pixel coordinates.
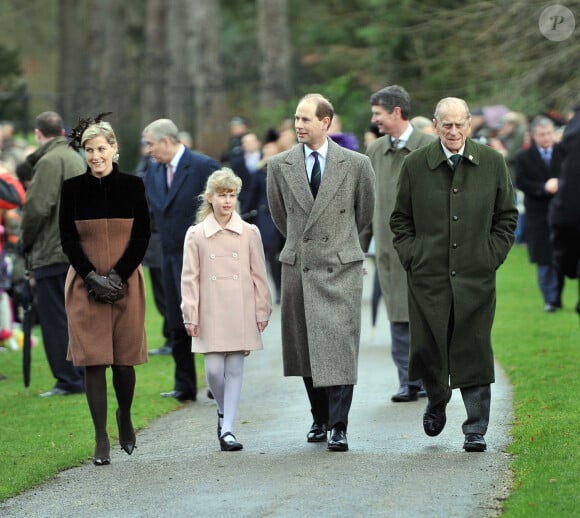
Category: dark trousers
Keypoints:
(400, 352)
(477, 402)
(551, 284)
(54, 325)
(185, 375)
(156, 275)
(329, 405)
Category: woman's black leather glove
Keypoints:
(117, 281)
(103, 289)
(115, 278)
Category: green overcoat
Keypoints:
(453, 229)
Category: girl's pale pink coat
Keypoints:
(224, 285)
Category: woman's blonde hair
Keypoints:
(99, 129)
(222, 180)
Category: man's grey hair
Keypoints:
(162, 128)
(541, 121)
(446, 102)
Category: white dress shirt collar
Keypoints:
(177, 157)
(404, 137)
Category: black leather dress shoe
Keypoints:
(317, 433)
(474, 442)
(337, 440)
(434, 418)
(219, 425)
(228, 442)
(180, 396)
(55, 392)
(161, 351)
(406, 393)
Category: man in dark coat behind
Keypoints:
(537, 180)
(454, 222)
(321, 197)
(173, 184)
(564, 215)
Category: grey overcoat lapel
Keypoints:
(295, 174)
(332, 177)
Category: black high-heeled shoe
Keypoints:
(228, 442)
(102, 452)
(127, 438)
(219, 426)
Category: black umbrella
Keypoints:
(376, 297)
(26, 302)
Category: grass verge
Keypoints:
(540, 354)
(41, 437)
(538, 351)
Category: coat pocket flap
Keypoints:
(287, 257)
(351, 256)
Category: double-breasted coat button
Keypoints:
(342, 211)
(455, 190)
(454, 245)
(329, 269)
(213, 278)
(453, 273)
(235, 277)
(234, 254)
(325, 239)
(455, 218)
(305, 269)
(212, 256)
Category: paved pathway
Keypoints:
(392, 469)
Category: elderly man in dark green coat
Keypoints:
(454, 222)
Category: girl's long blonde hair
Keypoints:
(222, 180)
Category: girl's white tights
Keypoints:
(225, 374)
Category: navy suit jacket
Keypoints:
(532, 173)
(174, 208)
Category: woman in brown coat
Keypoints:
(226, 300)
(104, 226)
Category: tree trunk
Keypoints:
(70, 66)
(116, 89)
(179, 94)
(210, 111)
(154, 63)
(274, 39)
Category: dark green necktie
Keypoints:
(455, 159)
(315, 175)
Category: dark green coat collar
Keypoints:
(436, 155)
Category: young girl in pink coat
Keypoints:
(226, 301)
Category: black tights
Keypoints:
(96, 390)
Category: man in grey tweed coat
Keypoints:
(321, 216)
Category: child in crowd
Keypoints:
(226, 301)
